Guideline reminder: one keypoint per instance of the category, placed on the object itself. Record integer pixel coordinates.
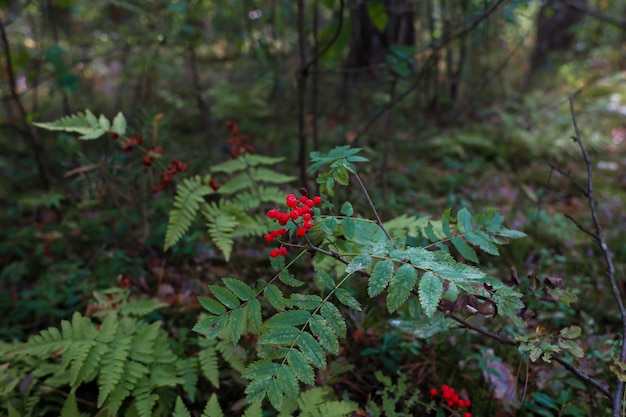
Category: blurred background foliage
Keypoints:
(457, 104)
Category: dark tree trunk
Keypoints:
(555, 24)
(369, 46)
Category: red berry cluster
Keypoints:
(149, 156)
(451, 398)
(237, 142)
(166, 177)
(300, 212)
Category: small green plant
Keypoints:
(294, 341)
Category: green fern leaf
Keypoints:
(237, 183)
(212, 408)
(254, 410)
(140, 308)
(336, 409)
(401, 286)
(180, 410)
(70, 407)
(85, 124)
(221, 227)
(133, 372)
(380, 278)
(188, 371)
(207, 357)
(144, 398)
(143, 344)
(188, 201)
(233, 355)
(113, 366)
(430, 293)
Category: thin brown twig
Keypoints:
(371, 203)
(606, 251)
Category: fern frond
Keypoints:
(207, 356)
(86, 124)
(212, 408)
(221, 225)
(189, 198)
(188, 372)
(113, 366)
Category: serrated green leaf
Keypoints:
(464, 249)
(571, 332)
(104, 123)
(224, 296)
(211, 326)
(301, 368)
(429, 232)
(359, 263)
(305, 301)
(288, 382)
(325, 280)
(325, 334)
(401, 286)
(349, 228)
(483, 241)
(275, 394)
(329, 225)
(237, 324)
(464, 221)
(288, 279)
(511, 234)
(288, 318)
(430, 292)
(279, 336)
(211, 305)
(255, 319)
(254, 410)
(347, 209)
(240, 289)
(380, 278)
(274, 296)
(334, 318)
(347, 299)
(312, 350)
(261, 370)
(119, 124)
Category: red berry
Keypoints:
(433, 392)
(301, 231)
(307, 225)
(294, 214)
(272, 213)
(274, 233)
(466, 403)
(268, 238)
(467, 414)
(114, 135)
(310, 203)
(450, 403)
(317, 200)
(306, 217)
(303, 199)
(291, 200)
(282, 251)
(282, 231)
(274, 253)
